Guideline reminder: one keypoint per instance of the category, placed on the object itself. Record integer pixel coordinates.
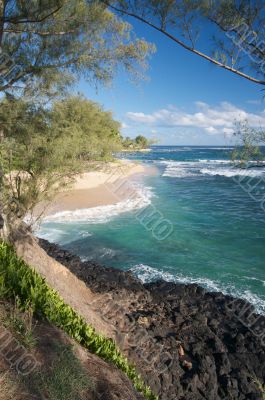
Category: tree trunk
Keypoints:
(2, 18)
(2, 221)
(5, 231)
(12, 229)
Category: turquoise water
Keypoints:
(216, 213)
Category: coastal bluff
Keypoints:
(187, 343)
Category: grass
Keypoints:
(61, 377)
(10, 389)
(18, 280)
(261, 388)
(20, 323)
(65, 379)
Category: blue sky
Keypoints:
(185, 101)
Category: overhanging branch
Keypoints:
(185, 46)
(39, 33)
(21, 20)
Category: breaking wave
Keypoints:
(148, 274)
(102, 214)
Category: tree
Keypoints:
(128, 143)
(236, 29)
(44, 148)
(58, 41)
(248, 152)
(141, 141)
(46, 46)
(98, 134)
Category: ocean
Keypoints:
(199, 220)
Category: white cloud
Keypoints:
(213, 120)
(211, 129)
(124, 125)
(255, 102)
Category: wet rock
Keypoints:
(187, 343)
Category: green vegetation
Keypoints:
(249, 145)
(10, 388)
(43, 149)
(235, 37)
(66, 379)
(60, 375)
(261, 387)
(20, 323)
(47, 136)
(17, 279)
(139, 143)
(55, 42)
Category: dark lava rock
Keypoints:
(187, 343)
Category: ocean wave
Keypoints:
(149, 274)
(107, 253)
(55, 235)
(252, 278)
(178, 173)
(102, 214)
(181, 169)
(214, 161)
(231, 172)
(50, 234)
(178, 169)
(173, 150)
(215, 148)
(85, 234)
(185, 169)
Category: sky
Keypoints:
(185, 100)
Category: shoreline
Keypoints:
(97, 188)
(187, 342)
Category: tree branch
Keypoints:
(243, 40)
(39, 33)
(185, 46)
(20, 20)
(2, 18)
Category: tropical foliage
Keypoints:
(139, 143)
(248, 151)
(18, 280)
(43, 148)
(52, 43)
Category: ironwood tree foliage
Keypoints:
(249, 149)
(54, 41)
(44, 148)
(45, 47)
(233, 30)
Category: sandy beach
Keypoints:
(97, 188)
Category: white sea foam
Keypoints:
(231, 172)
(174, 150)
(150, 274)
(252, 278)
(185, 169)
(178, 169)
(219, 148)
(147, 274)
(95, 215)
(214, 161)
(107, 253)
(50, 234)
(177, 172)
(85, 234)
